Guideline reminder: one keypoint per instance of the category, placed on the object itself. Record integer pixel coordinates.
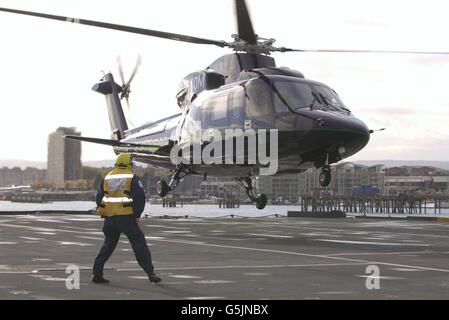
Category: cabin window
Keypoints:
(235, 111)
(205, 112)
(219, 111)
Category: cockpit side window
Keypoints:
(343, 106)
(328, 98)
(292, 94)
(279, 104)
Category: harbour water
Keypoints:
(202, 211)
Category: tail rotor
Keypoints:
(126, 85)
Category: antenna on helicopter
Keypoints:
(126, 85)
(372, 131)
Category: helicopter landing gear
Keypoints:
(325, 175)
(162, 188)
(179, 173)
(260, 200)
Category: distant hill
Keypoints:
(11, 163)
(99, 163)
(398, 163)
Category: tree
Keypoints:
(89, 173)
(81, 184)
(43, 185)
(69, 184)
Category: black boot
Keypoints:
(99, 279)
(154, 277)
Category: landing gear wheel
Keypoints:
(179, 173)
(261, 201)
(325, 177)
(162, 188)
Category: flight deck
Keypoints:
(229, 258)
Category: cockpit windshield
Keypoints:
(293, 95)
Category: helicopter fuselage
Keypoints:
(313, 126)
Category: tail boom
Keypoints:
(110, 90)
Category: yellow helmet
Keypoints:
(124, 161)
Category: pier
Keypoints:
(228, 203)
(376, 204)
(42, 197)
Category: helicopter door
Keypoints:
(181, 123)
(258, 105)
(284, 118)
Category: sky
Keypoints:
(47, 68)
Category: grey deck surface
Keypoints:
(269, 258)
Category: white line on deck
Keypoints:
(307, 255)
(255, 266)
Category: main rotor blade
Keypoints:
(362, 51)
(244, 25)
(147, 32)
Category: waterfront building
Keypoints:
(221, 188)
(17, 177)
(345, 177)
(416, 180)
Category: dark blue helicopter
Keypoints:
(246, 92)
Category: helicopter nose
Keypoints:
(353, 136)
(322, 134)
(340, 135)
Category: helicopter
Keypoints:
(243, 91)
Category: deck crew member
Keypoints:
(120, 201)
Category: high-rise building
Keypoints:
(64, 157)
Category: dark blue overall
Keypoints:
(116, 225)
